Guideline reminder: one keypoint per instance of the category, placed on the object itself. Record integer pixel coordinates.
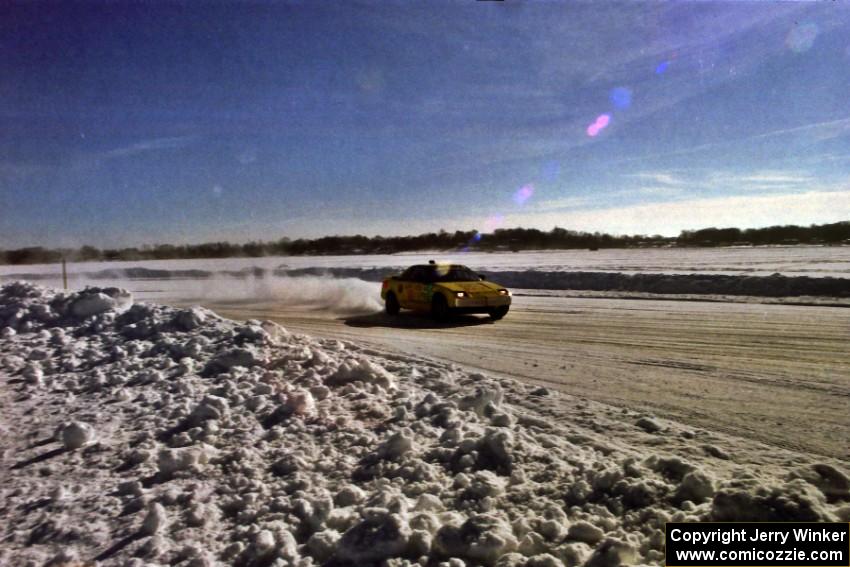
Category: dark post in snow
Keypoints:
(64, 274)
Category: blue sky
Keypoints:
(185, 122)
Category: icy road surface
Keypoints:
(773, 373)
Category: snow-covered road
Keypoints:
(777, 374)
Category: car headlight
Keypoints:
(460, 294)
(504, 292)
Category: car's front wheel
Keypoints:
(439, 307)
(391, 304)
(498, 312)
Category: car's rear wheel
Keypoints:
(497, 313)
(391, 304)
(439, 307)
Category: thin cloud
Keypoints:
(560, 204)
(825, 130)
(151, 145)
(659, 191)
(660, 177)
(87, 160)
(778, 177)
(765, 180)
(667, 182)
(820, 131)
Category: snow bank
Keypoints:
(350, 289)
(142, 434)
(776, 285)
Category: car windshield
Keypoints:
(453, 274)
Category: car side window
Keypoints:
(419, 274)
(429, 275)
(414, 274)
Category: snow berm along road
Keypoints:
(138, 434)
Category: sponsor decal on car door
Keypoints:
(413, 291)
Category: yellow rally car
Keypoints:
(444, 289)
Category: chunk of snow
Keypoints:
(586, 532)
(155, 520)
(190, 319)
(362, 370)
(94, 301)
(483, 538)
(696, 486)
(322, 545)
(612, 553)
(378, 536)
(211, 407)
(396, 445)
(76, 434)
(797, 501)
(301, 403)
(833, 483)
(648, 424)
(240, 356)
(483, 395)
(174, 460)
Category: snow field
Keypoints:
(139, 434)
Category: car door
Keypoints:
(399, 285)
(414, 289)
(410, 288)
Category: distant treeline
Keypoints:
(835, 233)
(514, 239)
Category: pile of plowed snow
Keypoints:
(278, 283)
(138, 434)
(776, 285)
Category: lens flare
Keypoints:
(493, 222)
(601, 122)
(523, 194)
(621, 97)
